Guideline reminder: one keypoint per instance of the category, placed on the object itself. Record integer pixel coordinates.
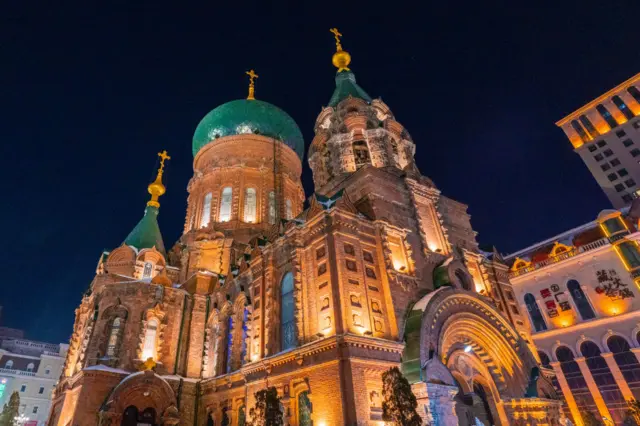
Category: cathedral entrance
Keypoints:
(134, 417)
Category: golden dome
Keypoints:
(341, 60)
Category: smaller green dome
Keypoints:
(248, 116)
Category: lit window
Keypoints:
(288, 211)
(272, 208)
(149, 348)
(250, 205)
(206, 211)
(622, 106)
(225, 204)
(604, 112)
(114, 336)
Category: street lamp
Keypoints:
(20, 420)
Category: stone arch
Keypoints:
(557, 345)
(122, 254)
(634, 337)
(455, 324)
(583, 339)
(142, 390)
(610, 333)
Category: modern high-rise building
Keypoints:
(606, 134)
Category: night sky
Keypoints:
(89, 95)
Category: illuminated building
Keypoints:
(606, 134)
(32, 369)
(380, 270)
(580, 289)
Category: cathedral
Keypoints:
(380, 270)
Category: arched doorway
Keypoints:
(479, 390)
(134, 417)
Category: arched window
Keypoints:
(9, 364)
(604, 379)
(288, 212)
(627, 362)
(534, 312)
(149, 348)
(272, 208)
(544, 359)
(225, 204)
(622, 107)
(210, 421)
(206, 211)
(604, 112)
(361, 153)
(30, 367)
(304, 409)
(633, 91)
(243, 342)
(287, 322)
(130, 416)
(229, 347)
(250, 205)
(575, 379)
(629, 250)
(114, 337)
(578, 128)
(589, 125)
(146, 271)
(581, 301)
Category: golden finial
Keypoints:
(156, 189)
(149, 364)
(341, 58)
(252, 76)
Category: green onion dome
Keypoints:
(244, 116)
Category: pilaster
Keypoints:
(568, 395)
(617, 375)
(593, 387)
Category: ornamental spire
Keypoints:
(157, 189)
(252, 76)
(341, 58)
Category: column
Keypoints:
(617, 375)
(568, 396)
(593, 388)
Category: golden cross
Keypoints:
(337, 35)
(252, 76)
(163, 156)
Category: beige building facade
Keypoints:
(580, 290)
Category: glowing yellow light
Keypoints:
(399, 266)
(322, 423)
(254, 357)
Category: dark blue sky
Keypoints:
(89, 94)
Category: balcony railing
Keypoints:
(559, 258)
(17, 372)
